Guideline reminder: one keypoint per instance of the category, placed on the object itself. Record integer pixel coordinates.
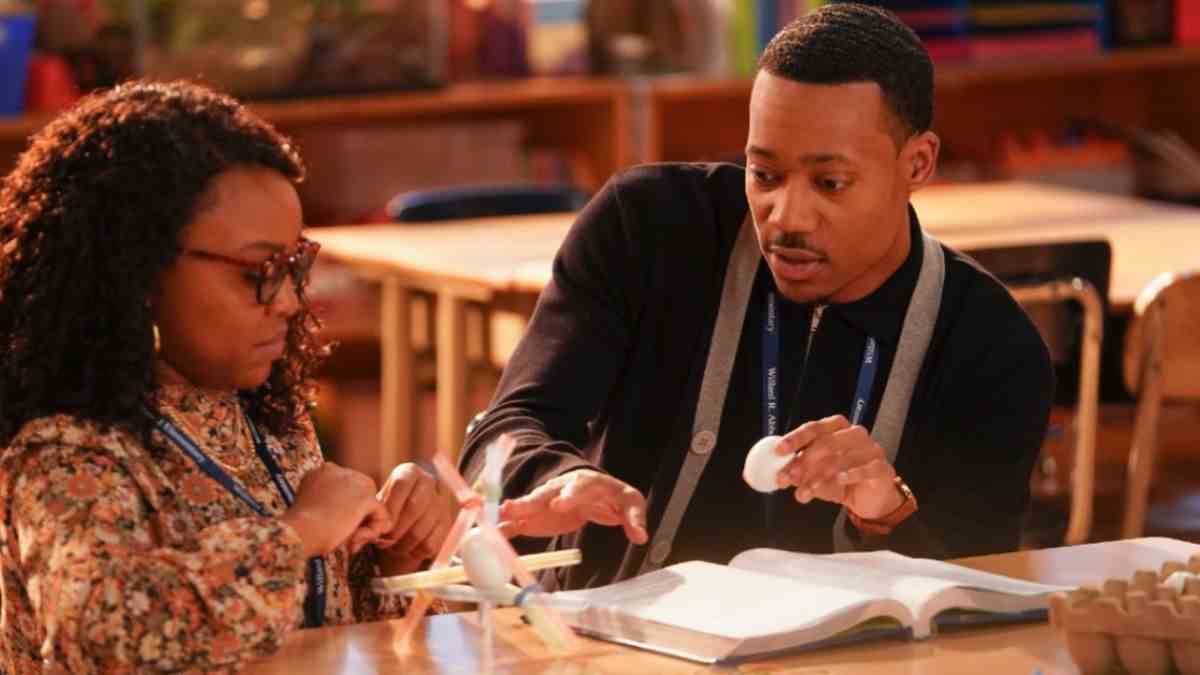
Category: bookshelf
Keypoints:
(691, 119)
(585, 117)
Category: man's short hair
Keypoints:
(848, 42)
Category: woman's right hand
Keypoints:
(334, 505)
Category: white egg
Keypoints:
(763, 465)
(486, 568)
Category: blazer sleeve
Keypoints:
(573, 352)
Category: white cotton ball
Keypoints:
(763, 465)
(485, 567)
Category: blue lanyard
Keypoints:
(866, 372)
(314, 602)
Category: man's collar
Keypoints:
(880, 313)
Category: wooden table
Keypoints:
(450, 643)
(493, 259)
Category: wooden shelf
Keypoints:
(684, 87)
(15, 130)
(476, 99)
(1106, 63)
(691, 118)
(585, 118)
(700, 119)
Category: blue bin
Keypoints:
(16, 42)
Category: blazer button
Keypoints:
(704, 442)
(659, 553)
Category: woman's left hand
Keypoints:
(421, 517)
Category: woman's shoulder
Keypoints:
(64, 437)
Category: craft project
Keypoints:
(1146, 624)
(488, 562)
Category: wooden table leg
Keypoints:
(397, 379)
(452, 413)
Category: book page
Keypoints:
(726, 602)
(926, 587)
(897, 564)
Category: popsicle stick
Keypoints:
(416, 611)
(548, 622)
(456, 574)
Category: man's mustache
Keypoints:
(793, 242)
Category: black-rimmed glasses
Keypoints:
(270, 273)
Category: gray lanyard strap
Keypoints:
(919, 322)
(915, 335)
(735, 296)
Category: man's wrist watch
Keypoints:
(886, 523)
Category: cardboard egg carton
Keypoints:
(1148, 624)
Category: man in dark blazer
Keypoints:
(606, 392)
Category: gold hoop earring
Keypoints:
(157, 338)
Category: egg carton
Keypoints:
(1148, 624)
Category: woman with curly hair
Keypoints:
(165, 503)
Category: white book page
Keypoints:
(894, 563)
(723, 601)
(911, 581)
(827, 570)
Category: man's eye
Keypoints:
(833, 184)
(764, 177)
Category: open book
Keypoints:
(767, 601)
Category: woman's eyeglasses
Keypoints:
(271, 273)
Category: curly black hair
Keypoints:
(90, 219)
(848, 42)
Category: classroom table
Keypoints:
(504, 260)
(449, 643)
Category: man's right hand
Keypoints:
(335, 505)
(568, 502)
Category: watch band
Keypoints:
(886, 523)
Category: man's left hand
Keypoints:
(838, 462)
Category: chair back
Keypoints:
(1166, 325)
(483, 201)
(1059, 323)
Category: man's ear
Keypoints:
(920, 156)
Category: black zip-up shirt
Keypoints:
(608, 377)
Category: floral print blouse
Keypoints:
(116, 560)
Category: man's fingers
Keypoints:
(802, 436)
(876, 469)
(829, 455)
(829, 491)
(801, 470)
(574, 496)
(511, 528)
(531, 504)
(635, 523)
(848, 449)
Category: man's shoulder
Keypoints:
(985, 306)
(664, 180)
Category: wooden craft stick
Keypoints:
(456, 574)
